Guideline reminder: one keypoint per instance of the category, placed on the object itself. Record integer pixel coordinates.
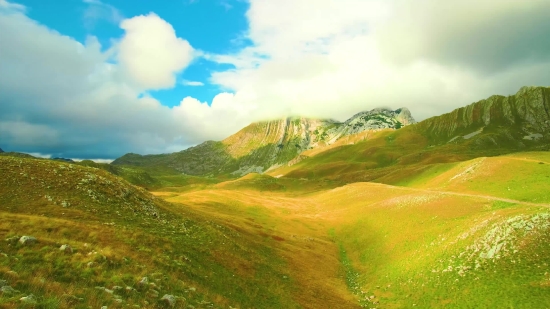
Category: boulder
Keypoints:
(29, 299)
(12, 240)
(8, 290)
(66, 249)
(168, 300)
(143, 283)
(27, 240)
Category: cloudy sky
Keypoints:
(97, 79)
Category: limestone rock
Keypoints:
(8, 290)
(263, 145)
(29, 299)
(27, 240)
(13, 240)
(169, 300)
(66, 249)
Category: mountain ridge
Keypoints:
(267, 144)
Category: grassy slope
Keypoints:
(415, 245)
(267, 242)
(128, 234)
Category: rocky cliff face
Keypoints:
(522, 117)
(263, 145)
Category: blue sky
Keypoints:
(97, 79)
(214, 26)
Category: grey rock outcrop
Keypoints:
(27, 240)
(169, 300)
(66, 249)
(29, 299)
(263, 145)
(8, 290)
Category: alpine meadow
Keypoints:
(274, 154)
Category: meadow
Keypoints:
(465, 234)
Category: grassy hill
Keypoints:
(440, 239)
(120, 234)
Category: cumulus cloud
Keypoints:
(151, 53)
(345, 56)
(329, 59)
(64, 98)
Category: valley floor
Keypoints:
(472, 234)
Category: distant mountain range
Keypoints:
(269, 144)
(518, 121)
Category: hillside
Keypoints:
(516, 120)
(443, 238)
(264, 145)
(496, 126)
(95, 237)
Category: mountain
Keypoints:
(1, 150)
(265, 145)
(517, 120)
(492, 127)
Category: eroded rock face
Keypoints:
(528, 112)
(262, 145)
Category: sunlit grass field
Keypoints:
(464, 234)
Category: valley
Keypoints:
(415, 215)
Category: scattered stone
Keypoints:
(71, 299)
(143, 283)
(13, 240)
(108, 291)
(29, 299)
(192, 289)
(169, 300)
(104, 307)
(91, 264)
(153, 294)
(117, 288)
(119, 300)
(27, 240)
(66, 249)
(6, 289)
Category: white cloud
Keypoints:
(330, 60)
(345, 56)
(151, 53)
(98, 10)
(7, 6)
(191, 83)
(64, 98)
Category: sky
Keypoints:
(95, 79)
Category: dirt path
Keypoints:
(487, 197)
